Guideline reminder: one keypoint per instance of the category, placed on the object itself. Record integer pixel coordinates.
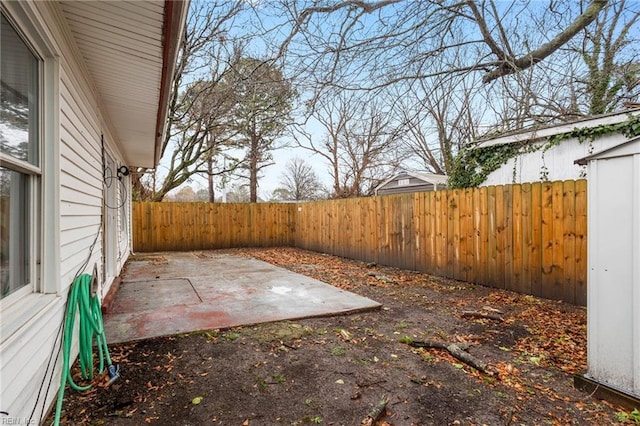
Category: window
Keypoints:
(19, 161)
(403, 182)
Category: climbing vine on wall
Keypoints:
(471, 167)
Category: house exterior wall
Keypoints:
(613, 298)
(394, 188)
(558, 160)
(411, 184)
(72, 209)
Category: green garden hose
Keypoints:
(90, 316)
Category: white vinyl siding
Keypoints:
(25, 357)
(558, 161)
(80, 177)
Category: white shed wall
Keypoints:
(77, 196)
(613, 323)
(527, 168)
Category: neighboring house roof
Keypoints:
(130, 50)
(537, 133)
(421, 181)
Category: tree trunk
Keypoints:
(253, 168)
(212, 195)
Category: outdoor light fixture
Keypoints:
(123, 171)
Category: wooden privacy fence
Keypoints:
(197, 226)
(529, 238)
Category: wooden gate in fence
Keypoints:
(529, 238)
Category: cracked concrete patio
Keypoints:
(179, 292)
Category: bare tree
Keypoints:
(185, 194)
(238, 194)
(358, 143)
(358, 45)
(263, 100)
(440, 115)
(594, 73)
(204, 136)
(446, 63)
(612, 58)
(299, 182)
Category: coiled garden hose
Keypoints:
(90, 316)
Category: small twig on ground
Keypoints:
(382, 278)
(364, 385)
(457, 350)
(377, 412)
(490, 309)
(484, 315)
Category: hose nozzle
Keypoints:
(114, 372)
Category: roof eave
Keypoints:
(585, 160)
(532, 135)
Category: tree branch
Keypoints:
(512, 66)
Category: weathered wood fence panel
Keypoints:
(197, 226)
(529, 238)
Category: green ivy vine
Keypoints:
(471, 167)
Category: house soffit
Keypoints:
(121, 43)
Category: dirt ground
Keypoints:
(337, 370)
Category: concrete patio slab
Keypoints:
(169, 293)
(155, 294)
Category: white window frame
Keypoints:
(34, 176)
(25, 304)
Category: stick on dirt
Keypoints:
(456, 350)
(484, 315)
(377, 412)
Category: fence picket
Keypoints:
(557, 270)
(484, 229)
(569, 242)
(525, 284)
(546, 267)
(515, 267)
(581, 243)
(537, 245)
(507, 252)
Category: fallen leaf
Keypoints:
(197, 400)
(345, 334)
